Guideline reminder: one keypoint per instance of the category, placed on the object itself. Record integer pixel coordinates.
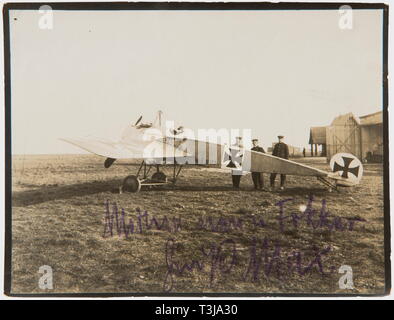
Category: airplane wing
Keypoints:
(105, 148)
(130, 149)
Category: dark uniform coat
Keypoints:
(281, 150)
(257, 177)
(258, 149)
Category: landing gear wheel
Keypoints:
(159, 176)
(131, 184)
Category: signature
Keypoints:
(265, 260)
(314, 218)
(216, 259)
(115, 222)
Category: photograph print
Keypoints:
(196, 149)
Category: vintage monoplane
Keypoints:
(158, 147)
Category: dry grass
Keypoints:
(58, 220)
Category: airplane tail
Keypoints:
(347, 169)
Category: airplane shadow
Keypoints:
(188, 188)
(50, 193)
(291, 191)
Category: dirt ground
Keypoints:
(199, 236)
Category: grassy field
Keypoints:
(208, 238)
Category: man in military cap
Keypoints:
(236, 174)
(257, 177)
(281, 150)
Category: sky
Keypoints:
(274, 72)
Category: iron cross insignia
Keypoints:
(234, 158)
(345, 168)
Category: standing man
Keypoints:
(236, 174)
(257, 177)
(281, 150)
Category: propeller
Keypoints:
(108, 162)
(138, 121)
